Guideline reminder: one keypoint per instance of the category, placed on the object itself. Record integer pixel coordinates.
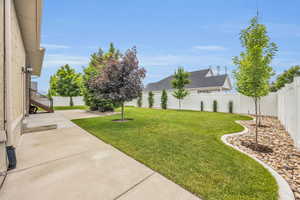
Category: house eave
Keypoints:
(29, 14)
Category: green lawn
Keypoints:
(70, 107)
(185, 146)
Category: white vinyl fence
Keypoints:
(65, 101)
(241, 104)
(289, 109)
(284, 104)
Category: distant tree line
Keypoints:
(286, 77)
(65, 82)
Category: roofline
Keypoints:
(29, 15)
(200, 88)
(225, 75)
(173, 75)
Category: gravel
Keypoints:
(281, 153)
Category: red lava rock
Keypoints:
(276, 148)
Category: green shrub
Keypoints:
(96, 103)
(215, 106)
(94, 68)
(230, 106)
(140, 100)
(150, 99)
(164, 99)
(202, 106)
(102, 105)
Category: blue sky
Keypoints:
(193, 34)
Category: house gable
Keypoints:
(199, 79)
(227, 84)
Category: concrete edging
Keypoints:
(284, 190)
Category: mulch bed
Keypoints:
(276, 148)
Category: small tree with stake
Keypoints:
(181, 78)
(97, 62)
(254, 70)
(120, 80)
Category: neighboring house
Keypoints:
(20, 57)
(201, 81)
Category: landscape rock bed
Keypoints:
(282, 155)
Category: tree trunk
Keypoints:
(122, 112)
(256, 122)
(259, 114)
(179, 101)
(71, 101)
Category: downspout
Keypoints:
(4, 132)
(11, 156)
(27, 89)
(7, 74)
(4, 70)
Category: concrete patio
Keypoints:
(68, 163)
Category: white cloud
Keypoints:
(184, 60)
(54, 60)
(210, 48)
(55, 46)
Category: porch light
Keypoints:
(29, 69)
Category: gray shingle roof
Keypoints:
(198, 80)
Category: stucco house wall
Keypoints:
(19, 52)
(15, 77)
(3, 163)
(1, 65)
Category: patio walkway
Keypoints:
(70, 164)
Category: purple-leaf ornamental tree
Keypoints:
(120, 80)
